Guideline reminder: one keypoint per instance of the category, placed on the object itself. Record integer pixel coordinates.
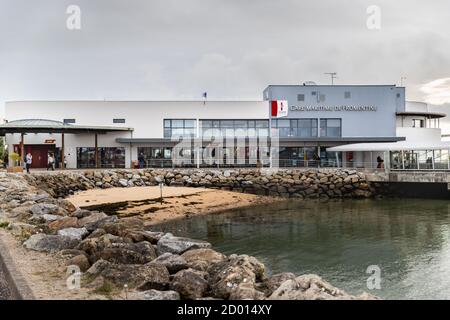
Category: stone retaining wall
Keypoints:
(320, 184)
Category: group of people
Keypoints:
(50, 161)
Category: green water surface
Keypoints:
(407, 239)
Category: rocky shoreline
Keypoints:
(320, 184)
(116, 255)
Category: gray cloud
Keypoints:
(146, 49)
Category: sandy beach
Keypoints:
(178, 202)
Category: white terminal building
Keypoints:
(317, 125)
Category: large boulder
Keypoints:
(46, 208)
(311, 287)
(128, 253)
(80, 261)
(143, 277)
(270, 284)
(160, 295)
(64, 223)
(227, 275)
(49, 243)
(67, 205)
(95, 216)
(45, 218)
(100, 223)
(23, 230)
(200, 259)
(124, 226)
(173, 262)
(143, 235)
(74, 233)
(95, 246)
(246, 291)
(179, 245)
(190, 283)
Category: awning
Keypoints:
(397, 146)
(51, 126)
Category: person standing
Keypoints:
(28, 161)
(51, 162)
(141, 160)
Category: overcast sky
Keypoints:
(173, 49)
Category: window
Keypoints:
(300, 97)
(314, 93)
(69, 121)
(118, 120)
(108, 157)
(330, 127)
(418, 123)
(398, 95)
(234, 128)
(347, 94)
(295, 127)
(179, 128)
(155, 157)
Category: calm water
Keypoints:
(408, 239)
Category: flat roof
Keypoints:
(333, 85)
(393, 146)
(161, 101)
(282, 141)
(432, 115)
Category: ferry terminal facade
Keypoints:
(125, 134)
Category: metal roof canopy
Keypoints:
(51, 126)
(429, 115)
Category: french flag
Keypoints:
(279, 108)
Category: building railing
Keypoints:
(254, 163)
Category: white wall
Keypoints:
(146, 118)
(379, 123)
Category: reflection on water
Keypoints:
(408, 239)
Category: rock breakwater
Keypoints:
(116, 253)
(295, 183)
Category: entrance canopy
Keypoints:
(395, 146)
(51, 126)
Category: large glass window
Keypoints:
(155, 157)
(298, 157)
(295, 127)
(425, 159)
(330, 128)
(441, 158)
(396, 160)
(108, 157)
(234, 128)
(410, 159)
(418, 123)
(179, 128)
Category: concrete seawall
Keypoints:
(320, 184)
